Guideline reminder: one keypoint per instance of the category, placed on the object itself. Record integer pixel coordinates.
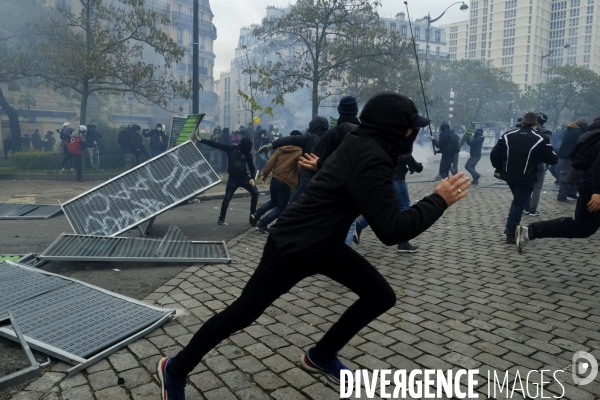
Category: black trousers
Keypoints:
(275, 276)
(584, 225)
(445, 165)
(454, 167)
(470, 167)
(232, 185)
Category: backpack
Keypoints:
(453, 146)
(83, 143)
(123, 138)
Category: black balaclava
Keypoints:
(386, 117)
(245, 145)
(318, 126)
(479, 132)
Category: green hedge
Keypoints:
(34, 160)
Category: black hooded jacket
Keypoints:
(334, 137)
(355, 180)
(475, 144)
(570, 140)
(238, 157)
(307, 142)
(445, 143)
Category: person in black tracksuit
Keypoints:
(308, 143)
(475, 143)
(586, 171)
(308, 239)
(447, 143)
(238, 158)
(516, 157)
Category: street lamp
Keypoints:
(566, 46)
(463, 7)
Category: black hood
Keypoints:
(245, 145)
(318, 126)
(386, 117)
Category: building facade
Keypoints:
(46, 110)
(525, 37)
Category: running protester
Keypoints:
(238, 158)
(586, 172)
(308, 239)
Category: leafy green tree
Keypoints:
(482, 92)
(317, 40)
(104, 48)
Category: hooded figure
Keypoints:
(448, 145)
(239, 162)
(308, 239)
(48, 141)
(308, 143)
(475, 143)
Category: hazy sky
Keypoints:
(231, 15)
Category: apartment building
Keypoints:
(525, 37)
(47, 110)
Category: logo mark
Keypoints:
(579, 368)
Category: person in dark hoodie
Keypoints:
(239, 163)
(516, 157)
(532, 204)
(454, 167)
(308, 239)
(585, 161)
(308, 143)
(475, 143)
(568, 190)
(448, 145)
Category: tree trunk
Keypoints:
(315, 98)
(83, 107)
(13, 121)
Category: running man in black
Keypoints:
(238, 158)
(308, 239)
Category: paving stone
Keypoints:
(27, 396)
(147, 391)
(78, 393)
(143, 348)
(220, 394)
(236, 380)
(298, 378)
(319, 391)
(122, 361)
(268, 380)
(45, 382)
(73, 381)
(249, 364)
(102, 379)
(219, 364)
(253, 393)
(277, 363)
(205, 381)
(287, 393)
(135, 377)
(112, 393)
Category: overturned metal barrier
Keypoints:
(141, 193)
(173, 247)
(28, 211)
(176, 125)
(71, 320)
(26, 374)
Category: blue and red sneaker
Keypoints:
(171, 389)
(331, 369)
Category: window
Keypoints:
(437, 51)
(510, 14)
(525, 77)
(484, 36)
(508, 42)
(571, 60)
(510, 23)
(530, 19)
(508, 51)
(473, 29)
(558, 15)
(482, 53)
(473, 38)
(528, 39)
(472, 54)
(573, 31)
(575, 3)
(472, 46)
(485, 11)
(588, 39)
(473, 22)
(590, 9)
(191, 38)
(484, 21)
(507, 60)
(483, 45)
(438, 36)
(474, 13)
(586, 59)
(527, 68)
(393, 27)
(509, 32)
(418, 32)
(574, 12)
(588, 19)
(485, 3)
(179, 36)
(511, 4)
(404, 30)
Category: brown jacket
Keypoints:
(284, 164)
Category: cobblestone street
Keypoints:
(465, 300)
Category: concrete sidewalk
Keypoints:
(465, 300)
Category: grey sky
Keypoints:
(231, 15)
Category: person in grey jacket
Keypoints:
(475, 143)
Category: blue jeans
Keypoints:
(521, 195)
(280, 195)
(350, 234)
(299, 191)
(402, 197)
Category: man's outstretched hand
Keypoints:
(453, 189)
(309, 161)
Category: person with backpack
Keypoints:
(25, 142)
(36, 140)
(76, 147)
(475, 143)
(515, 158)
(448, 145)
(48, 141)
(585, 172)
(158, 140)
(126, 141)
